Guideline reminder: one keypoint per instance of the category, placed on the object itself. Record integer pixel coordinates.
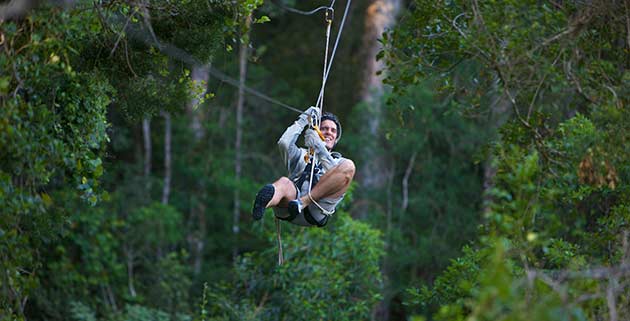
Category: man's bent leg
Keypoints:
(333, 184)
(279, 193)
(285, 192)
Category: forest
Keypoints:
(490, 141)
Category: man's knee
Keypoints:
(284, 184)
(347, 168)
(284, 180)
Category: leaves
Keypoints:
(559, 169)
(328, 273)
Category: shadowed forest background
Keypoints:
(491, 140)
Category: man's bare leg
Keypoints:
(277, 194)
(284, 192)
(333, 184)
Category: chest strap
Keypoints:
(306, 175)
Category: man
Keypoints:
(289, 196)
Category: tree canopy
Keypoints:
(130, 160)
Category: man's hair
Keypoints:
(331, 116)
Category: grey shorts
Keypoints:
(312, 215)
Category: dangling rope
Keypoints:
(280, 257)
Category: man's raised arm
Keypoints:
(289, 150)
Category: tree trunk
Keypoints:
(197, 219)
(199, 242)
(381, 313)
(500, 112)
(146, 136)
(199, 75)
(380, 16)
(242, 62)
(130, 277)
(128, 249)
(166, 189)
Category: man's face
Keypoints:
(329, 129)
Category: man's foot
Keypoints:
(262, 199)
(295, 207)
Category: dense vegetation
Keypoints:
(128, 169)
(553, 244)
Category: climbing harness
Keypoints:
(313, 160)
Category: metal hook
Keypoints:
(330, 15)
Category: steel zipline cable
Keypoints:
(332, 56)
(305, 13)
(139, 34)
(181, 55)
(327, 64)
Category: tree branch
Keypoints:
(463, 34)
(531, 104)
(122, 32)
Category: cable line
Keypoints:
(227, 79)
(174, 52)
(305, 13)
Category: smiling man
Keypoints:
(331, 177)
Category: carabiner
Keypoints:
(330, 15)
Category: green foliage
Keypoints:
(531, 215)
(81, 75)
(452, 286)
(64, 68)
(430, 206)
(329, 273)
(170, 284)
(541, 86)
(519, 46)
(131, 313)
(560, 190)
(323, 268)
(52, 132)
(502, 294)
(80, 312)
(154, 226)
(103, 257)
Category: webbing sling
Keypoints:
(306, 175)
